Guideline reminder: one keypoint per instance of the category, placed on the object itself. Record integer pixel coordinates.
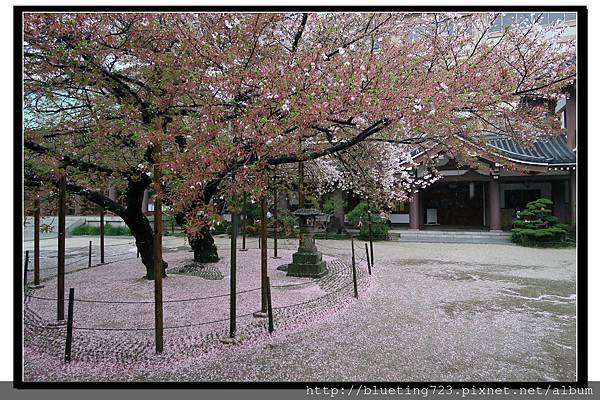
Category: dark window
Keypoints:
(518, 199)
(570, 16)
(523, 17)
(497, 25)
(555, 17)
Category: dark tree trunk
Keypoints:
(140, 227)
(204, 247)
(202, 244)
(144, 240)
(133, 216)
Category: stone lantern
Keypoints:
(307, 261)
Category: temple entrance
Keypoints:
(456, 204)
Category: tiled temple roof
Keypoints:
(552, 150)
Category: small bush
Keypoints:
(378, 229)
(109, 230)
(359, 216)
(536, 226)
(358, 213)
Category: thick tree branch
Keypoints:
(292, 158)
(93, 196)
(299, 33)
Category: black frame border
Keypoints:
(582, 199)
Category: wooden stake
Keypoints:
(26, 267)
(60, 298)
(36, 243)
(370, 232)
(263, 253)
(275, 223)
(69, 326)
(158, 230)
(233, 277)
(244, 218)
(101, 235)
(301, 184)
(368, 260)
(269, 305)
(354, 271)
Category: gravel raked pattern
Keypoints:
(189, 332)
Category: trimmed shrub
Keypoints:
(360, 216)
(378, 229)
(536, 226)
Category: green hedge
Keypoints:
(109, 230)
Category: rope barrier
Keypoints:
(29, 295)
(170, 301)
(144, 329)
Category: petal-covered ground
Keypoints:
(114, 313)
(448, 312)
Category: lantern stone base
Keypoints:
(307, 264)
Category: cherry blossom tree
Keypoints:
(237, 94)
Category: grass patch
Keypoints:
(109, 230)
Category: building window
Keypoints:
(570, 16)
(507, 19)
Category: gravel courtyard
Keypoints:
(448, 312)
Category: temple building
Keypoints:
(486, 196)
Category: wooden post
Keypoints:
(269, 306)
(36, 243)
(301, 184)
(354, 271)
(244, 218)
(233, 277)
(158, 230)
(263, 253)
(60, 298)
(90, 256)
(26, 268)
(368, 260)
(275, 224)
(102, 235)
(69, 326)
(370, 232)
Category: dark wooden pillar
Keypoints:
(263, 253)
(36, 243)
(60, 284)
(494, 203)
(301, 184)
(573, 197)
(571, 119)
(414, 211)
(338, 197)
(157, 248)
